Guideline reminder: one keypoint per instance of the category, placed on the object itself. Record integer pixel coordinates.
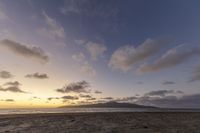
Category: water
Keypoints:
(87, 110)
(70, 110)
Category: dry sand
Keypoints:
(101, 123)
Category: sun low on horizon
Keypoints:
(77, 52)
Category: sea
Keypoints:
(89, 110)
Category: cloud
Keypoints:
(139, 82)
(173, 57)
(97, 92)
(70, 97)
(77, 87)
(51, 98)
(126, 99)
(3, 16)
(15, 83)
(89, 8)
(162, 93)
(63, 98)
(87, 69)
(6, 75)
(78, 57)
(168, 83)
(12, 87)
(196, 75)
(125, 57)
(85, 96)
(23, 50)
(53, 29)
(8, 100)
(91, 99)
(107, 98)
(185, 101)
(95, 49)
(37, 76)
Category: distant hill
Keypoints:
(108, 105)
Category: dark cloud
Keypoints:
(97, 92)
(168, 82)
(84, 96)
(126, 56)
(77, 87)
(172, 58)
(25, 51)
(8, 100)
(12, 87)
(36, 97)
(15, 89)
(107, 98)
(196, 75)
(169, 99)
(51, 98)
(70, 97)
(186, 101)
(37, 76)
(5, 74)
(161, 93)
(15, 83)
(64, 98)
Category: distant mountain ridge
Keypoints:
(108, 105)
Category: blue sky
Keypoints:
(120, 48)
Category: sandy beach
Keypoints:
(101, 123)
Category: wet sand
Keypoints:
(101, 123)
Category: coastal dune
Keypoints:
(133, 122)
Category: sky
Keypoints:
(72, 52)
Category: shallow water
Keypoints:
(82, 110)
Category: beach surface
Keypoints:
(170, 122)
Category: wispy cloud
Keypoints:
(78, 57)
(87, 69)
(95, 49)
(24, 50)
(127, 99)
(6, 75)
(168, 83)
(172, 58)
(107, 98)
(97, 92)
(196, 75)
(90, 8)
(52, 29)
(77, 87)
(37, 76)
(3, 15)
(126, 56)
